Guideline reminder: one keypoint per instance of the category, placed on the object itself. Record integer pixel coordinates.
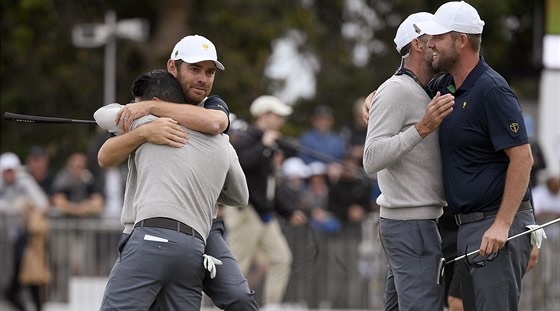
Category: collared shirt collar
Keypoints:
(474, 74)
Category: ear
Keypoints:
(416, 44)
(171, 67)
(462, 41)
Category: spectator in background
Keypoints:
(315, 198)
(354, 134)
(293, 180)
(255, 228)
(37, 163)
(321, 139)
(74, 194)
(546, 199)
(23, 201)
(74, 191)
(349, 202)
(291, 185)
(539, 162)
(111, 179)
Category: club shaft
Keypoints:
(24, 118)
(510, 238)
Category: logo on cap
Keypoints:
(176, 53)
(205, 46)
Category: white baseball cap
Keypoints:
(317, 168)
(268, 103)
(453, 16)
(406, 31)
(9, 161)
(194, 49)
(295, 167)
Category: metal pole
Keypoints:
(109, 91)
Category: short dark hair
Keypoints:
(475, 39)
(158, 83)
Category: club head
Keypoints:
(440, 271)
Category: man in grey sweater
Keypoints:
(177, 187)
(402, 149)
(225, 285)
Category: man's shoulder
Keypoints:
(441, 82)
(215, 102)
(397, 85)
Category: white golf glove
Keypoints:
(536, 236)
(210, 264)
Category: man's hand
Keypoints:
(356, 213)
(367, 105)
(438, 108)
(269, 138)
(494, 238)
(131, 112)
(298, 218)
(533, 259)
(210, 264)
(164, 131)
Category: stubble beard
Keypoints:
(446, 61)
(191, 99)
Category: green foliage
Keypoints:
(42, 73)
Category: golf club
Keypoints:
(24, 118)
(443, 262)
(291, 142)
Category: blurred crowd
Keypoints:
(319, 174)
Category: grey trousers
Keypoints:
(157, 264)
(496, 285)
(413, 249)
(229, 290)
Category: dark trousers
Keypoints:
(497, 284)
(14, 289)
(229, 290)
(413, 249)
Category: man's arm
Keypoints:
(235, 191)
(105, 118)
(366, 106)
(517, 181)
(197, 118)
(162, 131)
(148, 129)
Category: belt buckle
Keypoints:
(458, 219)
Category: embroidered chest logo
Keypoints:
(464, 105)
(514, 127)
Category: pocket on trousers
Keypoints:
(124, 238)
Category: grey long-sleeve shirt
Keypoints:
(180, 183)
(408, 167)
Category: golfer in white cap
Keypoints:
(402, 149)
(193, 62)
(486, 161)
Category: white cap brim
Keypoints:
(198, 59)
(432, 28)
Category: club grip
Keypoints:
(24, 118)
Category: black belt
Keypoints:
(461, 219)
(168, 223)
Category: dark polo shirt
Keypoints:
(486, 119)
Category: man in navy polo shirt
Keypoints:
(486, 162)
